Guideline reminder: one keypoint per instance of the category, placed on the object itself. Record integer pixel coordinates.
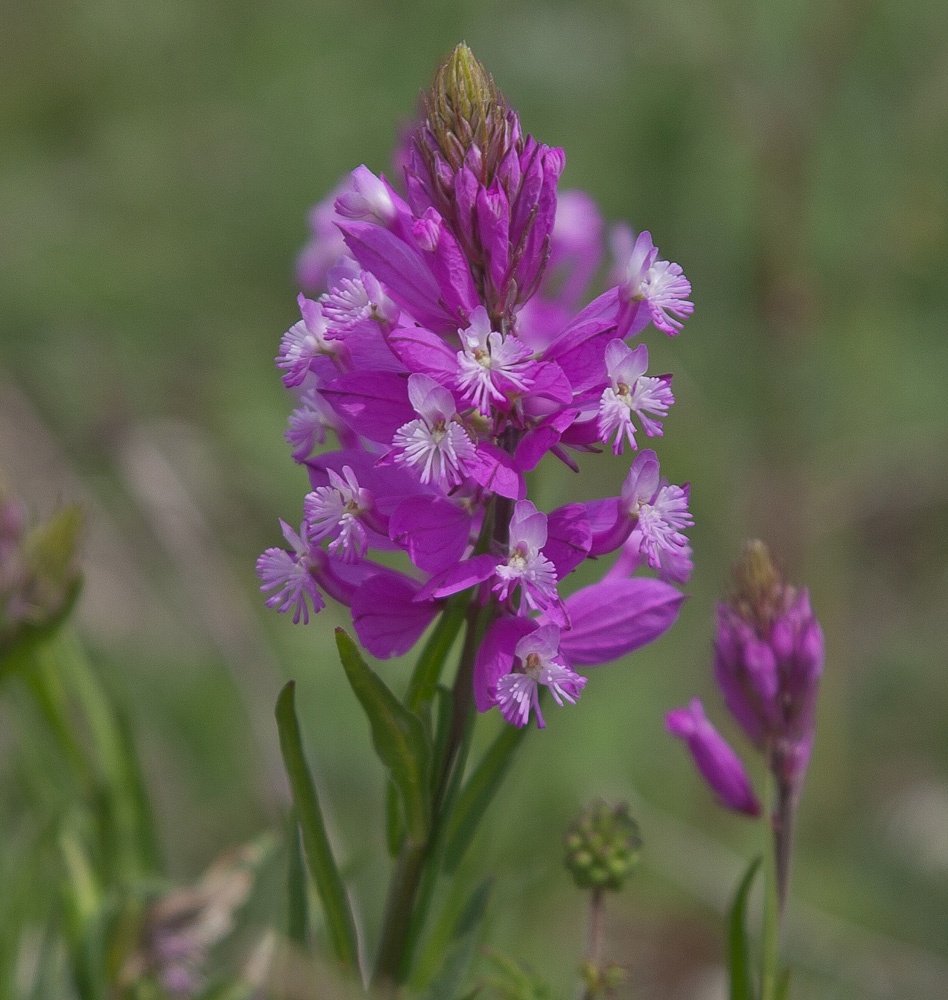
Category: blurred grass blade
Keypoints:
(478, 793)
(398, 736)
(462, 946)
(783, 985)
(739, 972)
(319, 856)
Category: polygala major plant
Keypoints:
(449, 343)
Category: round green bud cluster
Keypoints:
(602, 846)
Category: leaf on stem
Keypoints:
(462, 946)
(297, 910)
(398, 736)
(477, 794)
(738, 957)
(322, 864)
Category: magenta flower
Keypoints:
(290, 576)
(631, 391)
(537, 655)
(435, 446)
(768, 659)
(718, 763)
(650, 289)
(450, 349)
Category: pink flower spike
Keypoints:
(366, 198)
(308, 424)
(355, 299)
(540, 663)
(660, 515)
(491, 366)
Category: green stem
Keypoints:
(594, 945)
(393, 961)
(784, 813)
(46, 686)
(121, 775)
(771, 926)
(416, 868)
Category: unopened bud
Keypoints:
(465, 109)
(761, 595)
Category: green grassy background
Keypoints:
(156, 164)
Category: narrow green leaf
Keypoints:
(738, 957)
(394, 827)
(297, 909)
(398, 736)
(462, 946)
(322, 864)
(445, 705)
(478, 793)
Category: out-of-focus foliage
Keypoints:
(156, 164)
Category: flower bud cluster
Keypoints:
(448, 349)
(602, 846)
(768, 659)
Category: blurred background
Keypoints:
(157, 161)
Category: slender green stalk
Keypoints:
(595, 942)
(46, 685)
(783, 823)
(771, 926)
(417, 867)
(393, 961)
(424, 679)
(137, 852)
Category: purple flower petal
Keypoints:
(374, 404)
(715, 759)
(496, 471)
(495, 657)
(569, 538)
(433, 530)
(616, 617)
(387, 618)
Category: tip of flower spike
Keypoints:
(465, 109)
(761, 594)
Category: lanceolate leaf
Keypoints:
(738, 957)
(398, 736)
(478, 792)
(297, 914)
(462, 945)
(322, 864)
